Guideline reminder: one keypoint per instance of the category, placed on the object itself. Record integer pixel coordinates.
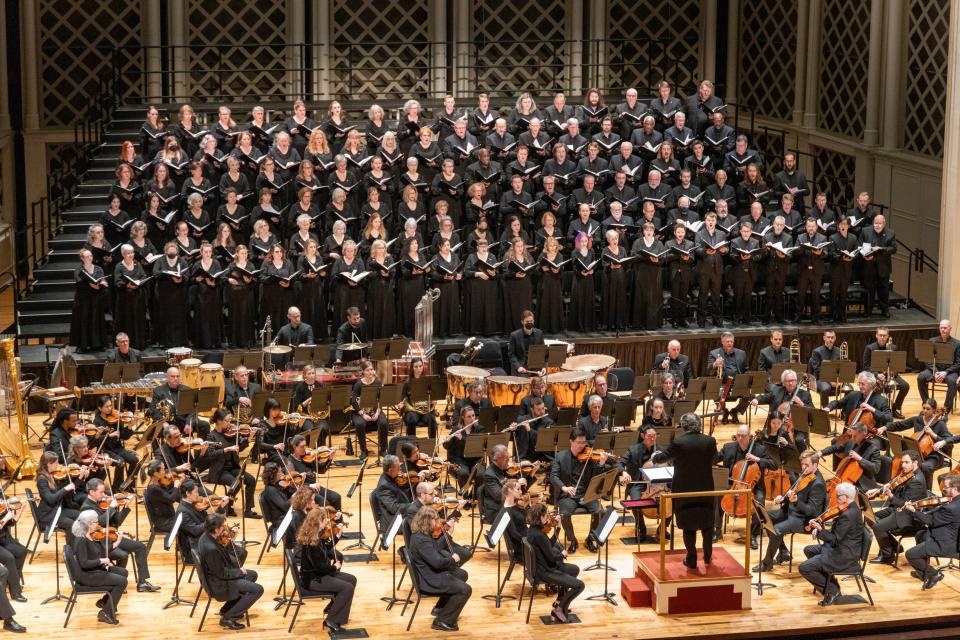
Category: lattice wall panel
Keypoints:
(381, 49)
(651, 41)
(926, 91)
(76, 37)
(530, 35)
(833, 174)
(259, 72)
(772, 145)
(768, 45)
(844, 54)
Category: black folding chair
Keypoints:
(268, 543)
(857, 574)
(36, 524)
(73, 570)
(202, 577)
(300, 592)
(529, 577)
(414, 586)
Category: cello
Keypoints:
(744, 475)
(925, 438)
(848, 471)
(862, 416)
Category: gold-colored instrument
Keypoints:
(138, 388)
(846, 387)
(165, 407)
(14, 405)
(795, 350)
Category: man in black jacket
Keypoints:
(940, 539)
(520, 342)
(353, 331)
(774, 353)
(732, 362)
(59, 441)
(391, 498)
(123, 353)
(945, 373)
(492, 480)
(570, 478)
(166, 395)
(632, 476)
(878, 264)
(746, 448)
(674, 362)
(883, 343)
(796, 508)
(891, 521)
(226, 578)
(826, 351)
(839, 549)
(239, 392)
(863, 450)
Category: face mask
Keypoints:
(171, 256)
(528, 326)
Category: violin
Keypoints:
(334, 530)
(553, 523)
(115, 417)
(228, 535)
(194, 444)
(205, 502)
(122, 500)
(100, 533)
(523, 468)
(244, 431)
(410, 477)
(294, 478)
(441, 529)
(528, 499)
(848, 471)
(802, 483)
(589, 453)
(12, 504)
(936, 501)
(830, 514)
(290, 418)
(167, 478)
(60, 473)
(321, 454)
(88, 430)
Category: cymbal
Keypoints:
(278, 349)
(354, 346)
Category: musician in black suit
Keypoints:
(160, 499)
(438, 569)
(862, 449)
(940, 539)
(945, 373)
(570, 478)
(294, 334)
(733, 362)
(475, 400)
(390, 496)
(811, 265)
(59, 433)
(550, 561)
(935, 426)
(527, 426)
(675, 362)
(520, 342)
(693, 454)
(797, 506)
(883, 343)
(538, 390)
(826, 351)
(238, 393)
(492, 479)
(633, 464)
(227, 580)
(747, 448)
(223, 460)
(877, 266)
(123, 353)
(191, 519)
(891, 520)
(777, 394)
(774, 353)
(353, 331)
(426, 495)
(839, 549)
(167, 393)
(867, 398)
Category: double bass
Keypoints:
(744, 475)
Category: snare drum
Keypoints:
(211, 377)
(568, 388)
(459, 377)
(190, 372)
(505, 391)
(593, 362)
(177, 355)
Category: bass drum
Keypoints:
(211, 377)
(506, 391)
(190, 372)
(568, 388)
(459, 377)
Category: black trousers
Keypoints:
(877, 286)
(343, 585)
(925, 377)
(814, 571)
(884, 528)
(742, 292)
(840, 278)
(690, 544)
(125, 549)
(565, 578)
(127, 459)
(412, 419)
(114, 580)
(785, 523)
(362, 426)
(809, 279)
(322, 427)
(711, 285)
(12, 556)
(679, 290)
(250, 592)
(455, 598)
(776, 283)
(249, 486)
(6, 609)
(567, 505)
(919, 557)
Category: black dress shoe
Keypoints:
(688, 565)
(916, 574)
(332, 626)
(764, 566)
(18, 598)
(439, 625)
(898, 415)
(572, 548)
(932, 581)
(590, 545)
(435, 612)
(882, 559)
(231, 624)
(253, 515)
(231, 512)
(707, 559)
(717, 537)
(783, 557)
(105, 616)
(147, 587)
(13, 626)
(829, 599)
(754, 542)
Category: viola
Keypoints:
(12, 503)
(203, 503)
(88, 430)
(167, 478)
(528, 499)
(228, 535)
(244, 431)
(802, 483)
(333, 531)
(936, 501)
(830, 514)
(115, 417)
(440, 529)
(294, 478)
(524, 468)
(122, 500)
(553, 523)
(321, 454)
(410, 477)
(194, 444)
(60, 473)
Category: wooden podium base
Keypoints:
(720, 586)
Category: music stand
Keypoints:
(52, 530)
(391, 395)
(387, 543)
(776, 371)
(598, 487)
(567, 417)
(641, 387)
(666, 436)
(232, 360)
(767, 524)
(931, 354)
(624, 412)
(380, 349)
(696, 391)
(175, 598)
(120, 372)
(313, 354)
(494, 536)
(604, 441)
(546, 357)
(426, 445)
(838, 372)
(549, 439)
(193, 401)
(359, 544)
(601, 535)
(260, 399)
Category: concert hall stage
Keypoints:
(632, 349)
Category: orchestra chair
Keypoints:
(76, 590)
(202, 575)
(414, 586)
(857, 574)
(513, 563)
(375, 511)
(36, 524)
(529, 577)
(153, 531)
(300, 593)
(620, 379)
(268, 543)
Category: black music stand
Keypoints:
(838, 372)
(379, 349)
(666, 436)
(359, 544)
(641, 387)
(624, 412)
(931, 354)
(816, 420)
(601, 536)
(120, 372)
(494, 537)
(175, 598)
(776, 371)
(260, 399)
(389, 536)
(549, 440)
(767, 524)
(546, 357)
(193, 401)
(315, 354)
(598, 487)
(52, 530)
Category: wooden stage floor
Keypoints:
(788, 610)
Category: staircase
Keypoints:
(44, 312)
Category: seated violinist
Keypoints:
(93, 464)
(115, 431)
(312, 464)
(427, 497)
(551, 564)
(112, 515)
(223, 458)
(193, 510)
(60, 432)
(320, 565)
(840, 543)
(183, 455)
(639, 457)
(390, 495)
(12, 553)
(439, 568)
(806, 499)
(161, 496)
(907, 486)
(930, 425)
(58, 490)
(278, 486)
(515, 503)
(228, 581)
(275, 431)
(940, 538)
(411, 459)
(97, 570)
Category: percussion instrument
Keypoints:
(190, 372)
(142, 387)
(156, 378)
(592, 362)
(175, 355)
(278, 349)
(568, 388)
(505, 391)
(400, 369)
(354, 346)
(211, 377)
(458, 377)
